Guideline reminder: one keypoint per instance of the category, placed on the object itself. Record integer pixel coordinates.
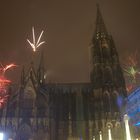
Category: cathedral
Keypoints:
(70, 111)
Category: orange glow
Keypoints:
(4, 84)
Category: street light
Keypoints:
(1, 136)
(127, 129)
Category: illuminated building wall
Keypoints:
(133, 110)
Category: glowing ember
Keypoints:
(35, 44)
(4, 83)
(129, 88)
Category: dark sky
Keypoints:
(68, 26)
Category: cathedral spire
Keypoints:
(23, 76)
(100, 29)
(41, 70)
(106, 71)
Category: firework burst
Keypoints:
(35, 44)
(132, 71)
(4, 84)
(132, 59)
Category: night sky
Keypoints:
(68, 28)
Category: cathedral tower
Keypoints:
(106, 72)
(106, 79)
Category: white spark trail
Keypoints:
(35, 44)
(39, 38)
(33, 31)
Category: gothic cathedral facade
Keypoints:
(74, 111)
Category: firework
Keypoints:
(35, 43)
(4, 69)
(132, 72)
(3, 99)
(131, 67)
(129, 87)
(4, 84)
(132, 59)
